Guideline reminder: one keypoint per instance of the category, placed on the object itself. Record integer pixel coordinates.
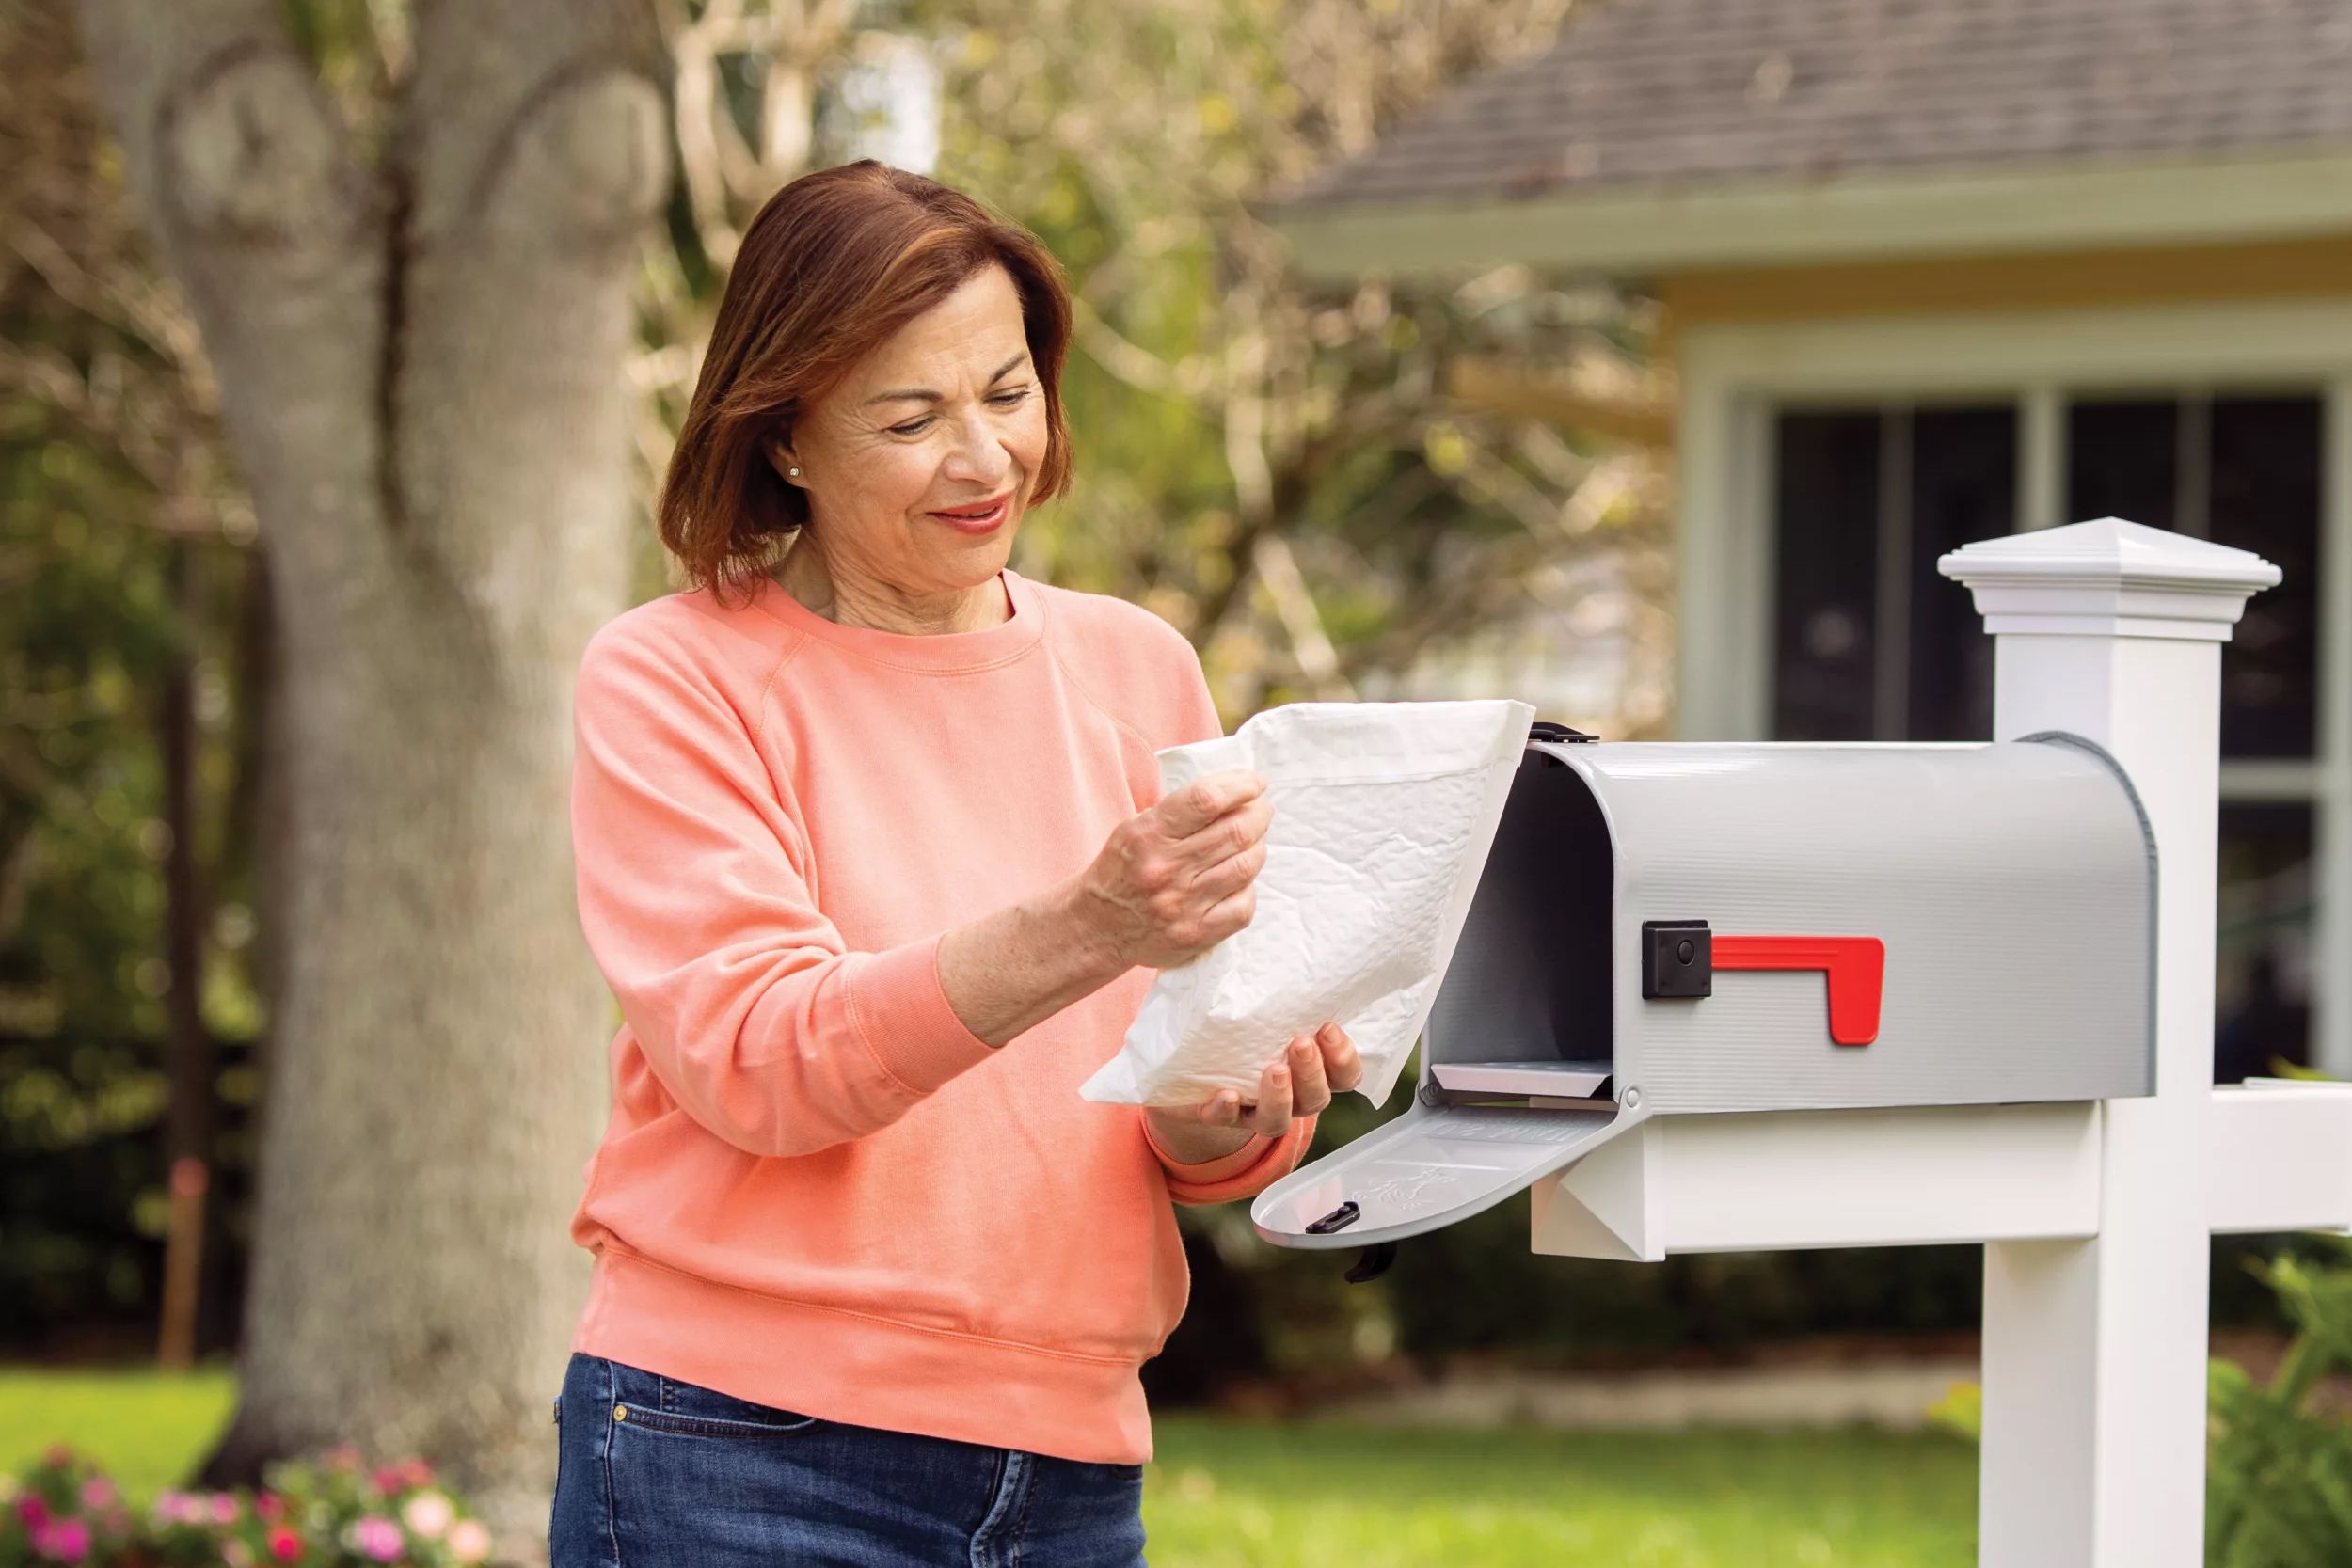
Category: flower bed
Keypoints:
(333, 1511)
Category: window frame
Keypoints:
(1734, 375)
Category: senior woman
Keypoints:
(871, 850)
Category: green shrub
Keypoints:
(2280, 1478)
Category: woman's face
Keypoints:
(919, 464)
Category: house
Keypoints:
(1935, 269)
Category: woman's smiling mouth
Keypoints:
(982, 517)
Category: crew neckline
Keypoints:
(938, 652)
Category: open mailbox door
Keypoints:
(1515, 1081)
(1428, 1168)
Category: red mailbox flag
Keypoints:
(1856, 967)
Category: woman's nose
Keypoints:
(979, 453)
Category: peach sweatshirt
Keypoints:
(818, 1190)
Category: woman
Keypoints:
(870, 849)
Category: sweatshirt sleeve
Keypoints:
(1244, 1173)
(692, 873)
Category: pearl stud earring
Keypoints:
(795, 472)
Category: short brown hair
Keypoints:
(833, 264)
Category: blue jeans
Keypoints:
(652, 1471)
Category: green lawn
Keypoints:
(146, 1429)
(1227, 1494)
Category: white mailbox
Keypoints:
(1675, 930)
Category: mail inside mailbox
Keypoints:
(1525, 1006)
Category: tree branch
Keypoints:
(233, 142)
(1295, 606)
(252, 190)
(533, 123)
(695, 49)
(534, 147)
(136, 312)
(1136, 366)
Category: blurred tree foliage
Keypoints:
(124, 548)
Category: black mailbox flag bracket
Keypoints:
(1677, 959)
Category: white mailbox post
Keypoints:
(2058, 1107)
(2095, 1346)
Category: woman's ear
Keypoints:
(786, 465)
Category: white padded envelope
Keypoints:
(1382, 817)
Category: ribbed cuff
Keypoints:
(1248, 1171)
(903, 1015)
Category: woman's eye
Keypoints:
(916, 427)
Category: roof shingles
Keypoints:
(1723, 91)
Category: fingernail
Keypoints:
(1329, 1032)
(1281, 1075)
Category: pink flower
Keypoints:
(98, 1493)
(62, 1541)
(377, 1538)
(269, 1505)
(59, 1457)
(33, 1512)
(226, 1508)
(428, 1514)
(285, 1543)
(469, 1540)
(385, 1480)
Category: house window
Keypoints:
(2242, 471)
(1870, 643)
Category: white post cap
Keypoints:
(2109, 578)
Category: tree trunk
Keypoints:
(188, 1054)
(419, 363)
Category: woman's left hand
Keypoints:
(1318, 1066)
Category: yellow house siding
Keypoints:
(2274, 269)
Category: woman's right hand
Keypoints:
(1172, 883)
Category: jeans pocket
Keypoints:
(694, 1411)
